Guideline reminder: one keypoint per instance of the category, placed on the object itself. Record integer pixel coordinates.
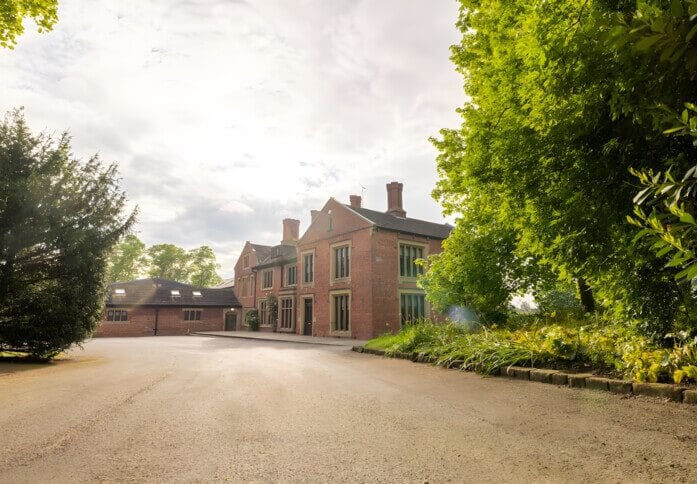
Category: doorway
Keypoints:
(231, 322)
(307, 316)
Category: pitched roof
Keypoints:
(279, 254)
(263, 251)
(405, 225)
(158, 292)
(226, 283)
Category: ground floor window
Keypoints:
(117, 315)
(192, 315)
(286, 313)
(341, 318)
(263, 314)
(412, 307)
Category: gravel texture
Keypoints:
(215, 409)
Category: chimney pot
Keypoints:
(394, 199)
(291, 230)
(355, 201)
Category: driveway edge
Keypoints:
(673, 393)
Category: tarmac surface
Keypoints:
(222, 409)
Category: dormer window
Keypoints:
(197, 293)
(119, 292)
(175, 293)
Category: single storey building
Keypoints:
(152, 307)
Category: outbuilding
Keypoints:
(158, 307)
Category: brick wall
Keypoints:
(170, 321)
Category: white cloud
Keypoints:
(230, 110)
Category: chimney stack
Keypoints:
(291, 230)
(313, 215)
(394, 200)
(355, 201)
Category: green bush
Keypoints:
(252, 319)
(610, 347)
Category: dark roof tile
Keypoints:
(158, 292)
(404, 225)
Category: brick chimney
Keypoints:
(313, 215)
(355, 201)
(394, 199)
(291, 230)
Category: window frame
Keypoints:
(197, 312)
(288, 312)
(263, 314)
(286, 275)
(334, 329)
(245, 261)
(303, 257)
(121, 312)
(401, 263)
(333, 248)
(263, 279)
(412, 293)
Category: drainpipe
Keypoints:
(157, 314)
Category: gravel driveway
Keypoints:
(197, 408)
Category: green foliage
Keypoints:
(562, 103)
(252, 319)
(168, 261)
(608, 347)
(272, 310)
(59, 220)
(130, 259)
(127, 260)
(13, 12)
(202, 267)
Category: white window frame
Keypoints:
(113, 321)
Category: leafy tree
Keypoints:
(59, 220)
(127, 260)
(167, 261)
(558, 113)
(202, 267)
(13, 12)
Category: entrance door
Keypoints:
(307, 317)
(230, 322)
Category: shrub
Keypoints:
(610, 347)
(252, 319)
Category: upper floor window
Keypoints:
(341, 262)
(119, 315)
(291, 276)
(407, 260)
(267, 279)
(308, 268)
(245, 262)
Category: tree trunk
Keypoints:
(586, 294)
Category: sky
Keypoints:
(227, 116)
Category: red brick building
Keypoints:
(352, 273)
(152, 307)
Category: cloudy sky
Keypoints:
(226, 116)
